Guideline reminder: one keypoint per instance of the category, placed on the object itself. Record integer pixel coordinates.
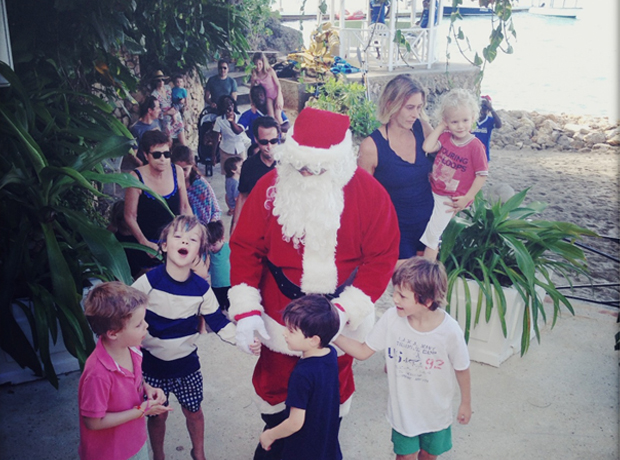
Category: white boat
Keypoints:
(556, 8)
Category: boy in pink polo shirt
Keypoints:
(113, 398)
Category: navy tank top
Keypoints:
(406, 183)
(152, 216)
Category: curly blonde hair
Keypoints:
(457, 97)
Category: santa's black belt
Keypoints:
(292, 291)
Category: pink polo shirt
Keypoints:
(107, 387)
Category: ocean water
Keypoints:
(558, 65)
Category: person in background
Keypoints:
(232, 168)
(113, 397)
(220, 85)
(219, 270)
(310, 431)
(267, 134)
(488, 121)
(263, 74)
(460, 168)
(232, 135)
(201, 196)
(170, 118)
(148, 121)
(258, 108)
(144, 216)
(377, 11)
(424, 351)
(179, 94)
(423, 22)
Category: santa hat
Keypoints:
(488, 98)
(317, 137)
(319, 128)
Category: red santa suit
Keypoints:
(353, 252)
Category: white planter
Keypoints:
(487, 343)
(11, 372)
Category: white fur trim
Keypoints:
(357, 306)
(320, 275)
(276, 340)
(243, 299)
(300, 156)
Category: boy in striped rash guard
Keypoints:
(177, 299)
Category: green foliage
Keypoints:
(498, 245)
(340, 96)
(54, 141)
(81, 42)
(502, 29)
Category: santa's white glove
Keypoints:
(245, 332)
(342, 316)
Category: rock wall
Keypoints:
(535, 131)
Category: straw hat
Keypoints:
(159, 75)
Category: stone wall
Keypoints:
(535, 131)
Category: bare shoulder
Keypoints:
(368, 157)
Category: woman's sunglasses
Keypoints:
(157, 155)
(273, 141)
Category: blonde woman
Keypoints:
(263, 74)
(393, 154)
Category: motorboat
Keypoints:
(557, 8)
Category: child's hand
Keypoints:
(458, 203)
(266, 440)
(255, 347)
(155, 395)
(156, 409)
(464, 414)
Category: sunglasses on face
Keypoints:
(157, 155)
(273, 141)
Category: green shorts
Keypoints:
(435, 443)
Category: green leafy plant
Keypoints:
(502, 29)
(54, 141)
(498, 245)
(349, 98)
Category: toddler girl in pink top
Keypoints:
(460, 168)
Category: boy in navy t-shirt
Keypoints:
(313, 401)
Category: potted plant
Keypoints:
(497, 252)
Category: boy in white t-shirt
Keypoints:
(424, 350)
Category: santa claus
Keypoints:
(316, 224)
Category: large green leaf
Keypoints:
(103, 244)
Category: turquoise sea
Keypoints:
(558, 65)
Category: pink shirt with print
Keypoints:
(456, 167)
(107, 387)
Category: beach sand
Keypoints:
(581, 188)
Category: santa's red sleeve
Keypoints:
(248, 250)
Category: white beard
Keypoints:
(309, 207)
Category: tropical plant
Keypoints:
(499, 245)
(54, 141)
(349, 98)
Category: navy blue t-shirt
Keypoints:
(313, 386)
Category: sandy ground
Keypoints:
(581, 188)
(559, 401)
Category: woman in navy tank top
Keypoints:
(144, 215)
(393, 155)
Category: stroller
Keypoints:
(208, 141)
